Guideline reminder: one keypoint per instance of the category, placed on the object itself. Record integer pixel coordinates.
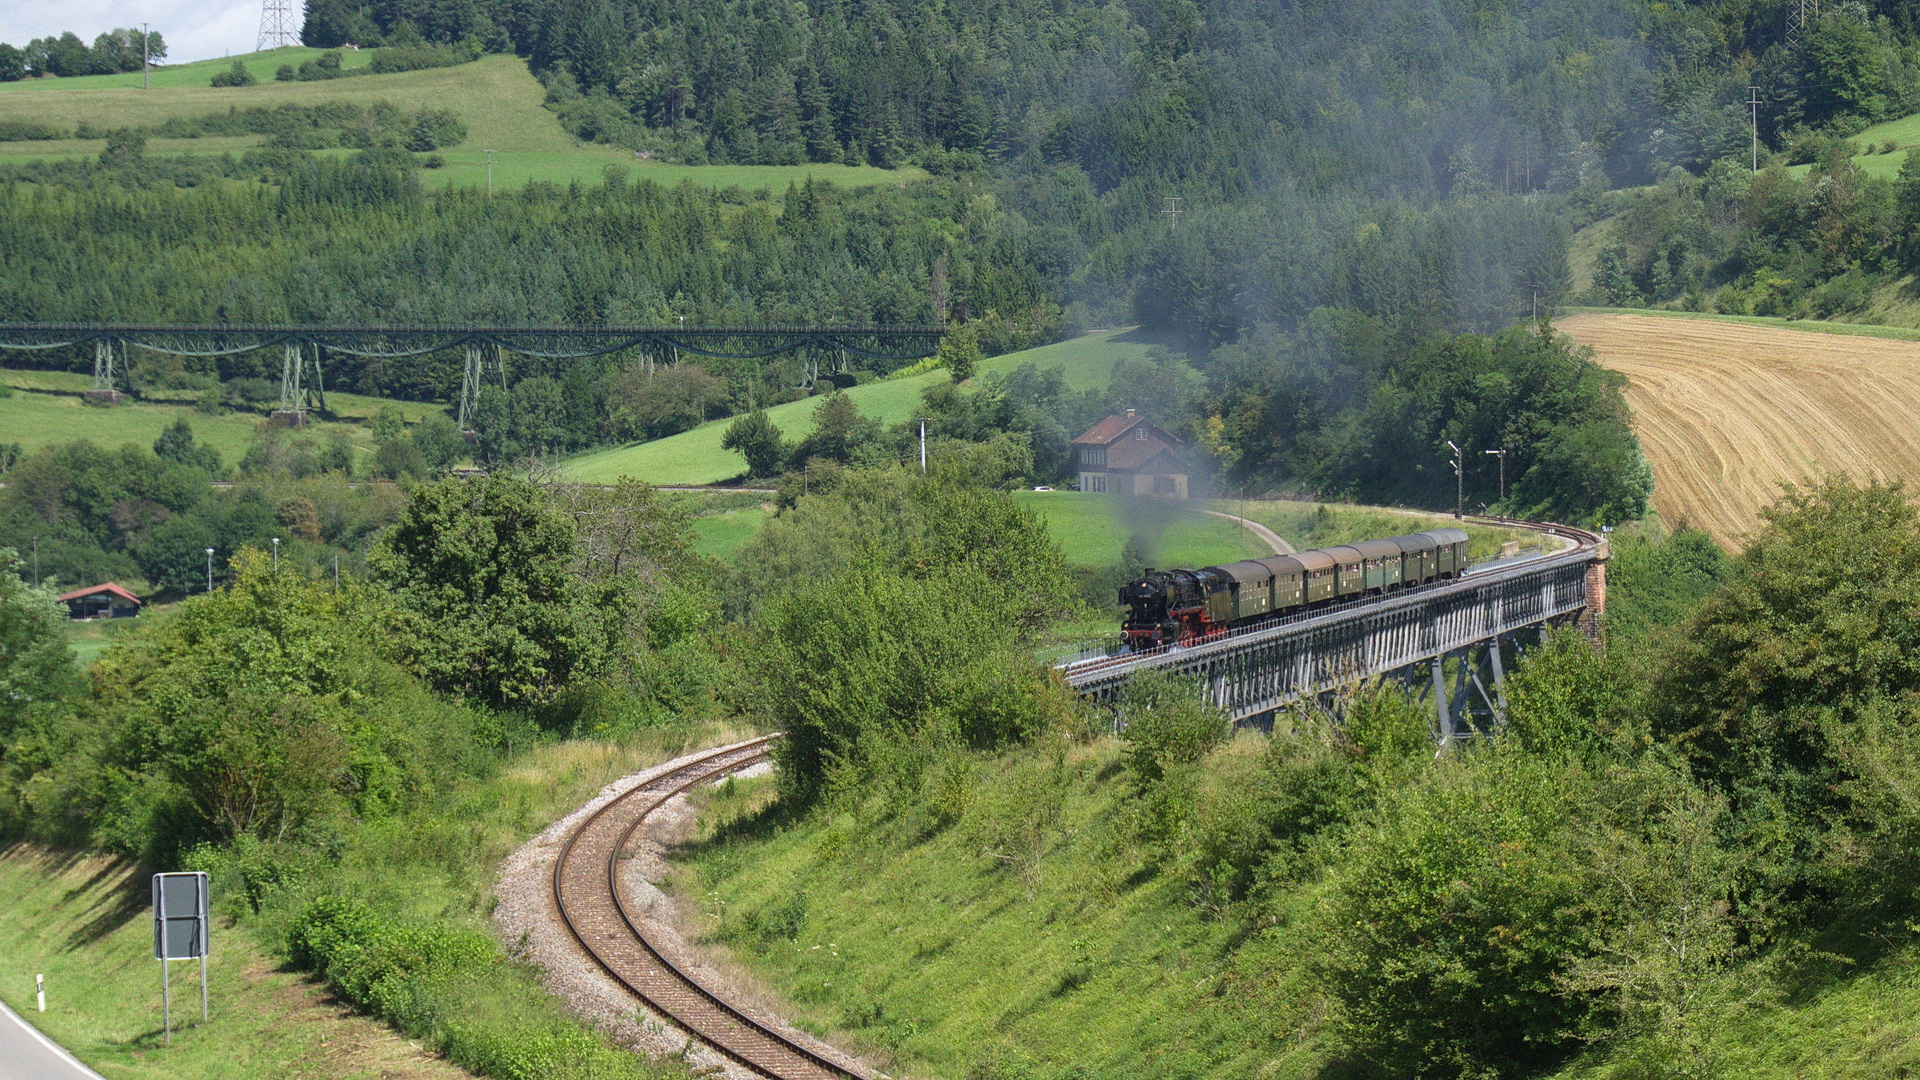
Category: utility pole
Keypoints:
(1753, 103)
(146, 56)
(489, 172)
(1535, 288)
(1459, 481)
(1502, 455)
(1173, 212)
(276, 554)
(923, 444)
(209, 569)
(36, 562)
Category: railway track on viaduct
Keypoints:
(587, 894)
(1262, 667)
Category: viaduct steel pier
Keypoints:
(818, 350)
(1458, 631)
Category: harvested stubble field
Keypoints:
(1728, 412)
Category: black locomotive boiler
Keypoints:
(1174, 607)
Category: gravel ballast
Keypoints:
(528, 922)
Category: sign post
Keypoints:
(180, 932)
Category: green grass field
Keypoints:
(1310, 525)
(496, 96)
(1093, 529)
(37, 420)
(696, 457)
(196, 73)
(1905, 132)
(82, 921)
(89, 638)
(45, 409)
(721, 536)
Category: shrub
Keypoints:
(757, 439)
(237, 75)
(486, 573)
(415, 58)
(434, 129)
(860, 663)
(434, 982)
(1450, 927)
(1168, 725)
(28, 131)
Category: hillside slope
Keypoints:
(47, 410)
(1728, 411)
(695, 457)
(496, 97)
(81, 921)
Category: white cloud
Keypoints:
(194, 29)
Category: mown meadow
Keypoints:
(495, 97)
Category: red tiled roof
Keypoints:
(1108, 430)
(1146, 457)
(109, 587)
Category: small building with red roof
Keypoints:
(1131, 455)
(108, 601)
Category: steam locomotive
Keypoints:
(1177, 607)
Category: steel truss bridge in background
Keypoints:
(823, 350)
(1470, 625)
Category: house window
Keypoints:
(1140, 434)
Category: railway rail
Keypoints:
(586, 891)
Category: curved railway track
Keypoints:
(586, 890)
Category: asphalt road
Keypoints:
(25, 1054)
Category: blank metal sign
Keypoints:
(179, 916)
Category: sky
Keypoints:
(193, 29)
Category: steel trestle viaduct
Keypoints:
(822, 349)
(1462, 623)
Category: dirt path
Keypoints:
(1727, 412)
(1272, 539)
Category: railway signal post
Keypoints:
(1459, 481)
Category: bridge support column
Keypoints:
(1499, 680)
(1476, 704)
(104, 391)
(1593, 617)
(1444, 717)
(297, 392)
(483, 359)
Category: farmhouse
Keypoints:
(108, 601)
(1131, 455)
